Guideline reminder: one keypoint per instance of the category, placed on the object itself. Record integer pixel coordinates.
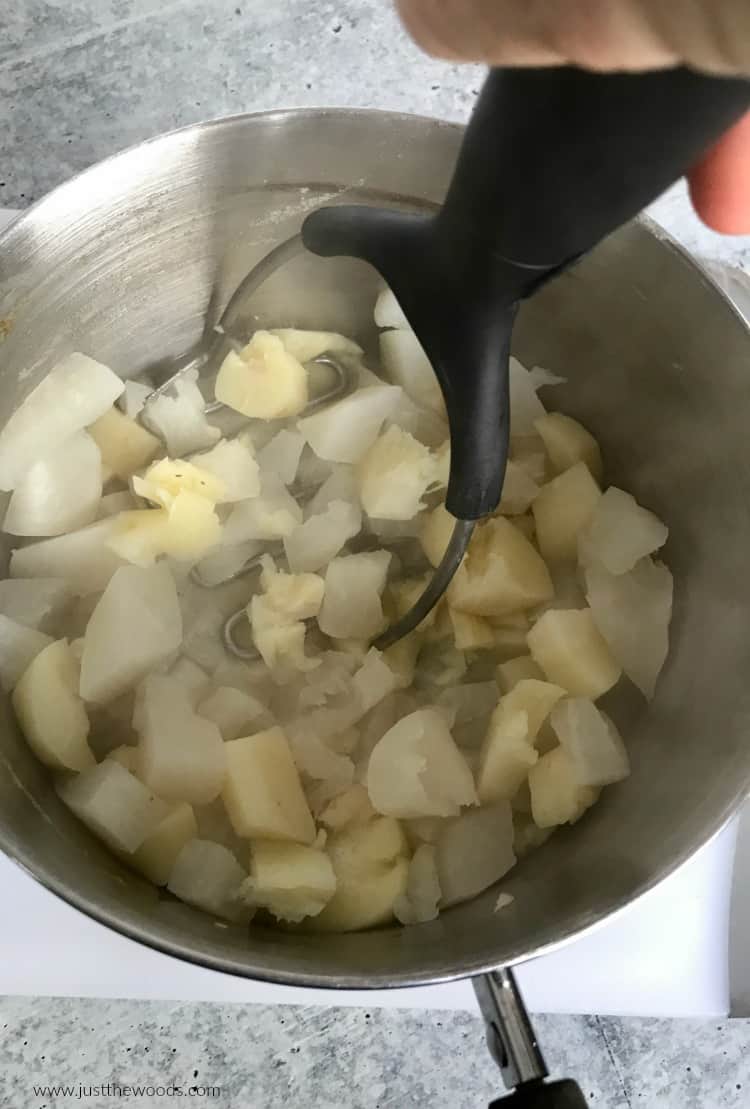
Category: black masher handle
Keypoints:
(552, 161)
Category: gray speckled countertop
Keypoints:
(80, 79)
(273, 1057)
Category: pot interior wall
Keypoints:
(125, 262)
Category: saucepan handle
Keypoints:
(513, 1046)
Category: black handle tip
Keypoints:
(564, 1094)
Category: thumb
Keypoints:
(720, 182)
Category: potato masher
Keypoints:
(552, 161)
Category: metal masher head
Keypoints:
(206, 358)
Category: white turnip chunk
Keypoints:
(180, 754)
(180, 420)
(620, 533)
(313, 544)
(417, 770)
(82, 559)
(58, 493)
(72, 395)
(632, 612)
(354, 584)
(344, 431)
(135, 627)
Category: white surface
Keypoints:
(664, 956)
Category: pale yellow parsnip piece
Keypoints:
(307, 345)
(124, 445)
(501, 573)
(370, 862)
(509, 673)
(394, 475)
(350, 807)
(571, 651)
(281, 643)
(159, 851)
(187, 530)
(193, 527)
(169, 477)
(536, 698)
(567, 442)
(364, 901)
(437, 528)
(262, 790)
(556, 797)
(52, 716)
(508, 750)
(506, 757)
(563, 510)
(470, 632)
(292, 596)
(139, 536)
(276, 616)
(264, 381)
(291, 880)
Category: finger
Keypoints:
(497, 32)
(720, 182)
(596, 34)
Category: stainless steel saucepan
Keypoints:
(129, 260)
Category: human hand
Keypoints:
(713, 35)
